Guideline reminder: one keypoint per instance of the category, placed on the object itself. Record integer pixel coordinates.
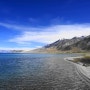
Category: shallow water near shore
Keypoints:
(39, 72)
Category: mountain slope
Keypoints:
(75, 44)
(83, 44)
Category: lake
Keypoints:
(39, 72)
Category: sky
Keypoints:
(30, 24)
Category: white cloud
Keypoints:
(48, 34)
(18, 27)
(52, 33)
(41, 37)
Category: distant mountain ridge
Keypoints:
(75, 44)
(11, 51)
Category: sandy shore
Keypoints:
(82, 69)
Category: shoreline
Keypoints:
(81, 69)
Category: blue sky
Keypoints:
(29, 24)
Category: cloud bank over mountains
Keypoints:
(46, 35)
(50, 34)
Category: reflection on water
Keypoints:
(38, 72)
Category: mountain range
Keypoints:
(75, 44)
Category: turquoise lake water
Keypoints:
(39, 72)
